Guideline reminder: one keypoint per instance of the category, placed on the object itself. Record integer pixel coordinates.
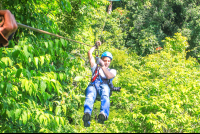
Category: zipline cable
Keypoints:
(45, 32)
(41, 31)
(97, 48)
(103, 27)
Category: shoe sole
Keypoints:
(101, 118)
(86, 118)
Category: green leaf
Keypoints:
(24, 117)
(63, 42)
(9, 87)
(45, 122)
(2, 64)
(58, 87)
(31, 88)
(13, 114)
(49, 86)
(33, 126)
(62, 121)
(42, 60)
(15, 54)
(69, 7)
(41, 118)
(8, 113)
(18, 73)
(18, 113)
(45, 96)
(35, 88)
(50, 106)
(57, 120)
(58, 110)
(42, 130)
(78, 78)
(26, 85)
(36, 62)
(48, 58)
(43, 86)
(5, 60)
(3, 88)
(26, 51)
(48, 118)
(46, 44)
(61, 76)
(26, 73)
(64, 109)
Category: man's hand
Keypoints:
(99, 62)
(97, 44)
(9, 26)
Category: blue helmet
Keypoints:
(107, 54)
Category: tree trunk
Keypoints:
(110, 8)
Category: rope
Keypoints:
(45, 32)
(101, 33)
(110, 6)
(103, 27)
(40, 31)
(97, 48)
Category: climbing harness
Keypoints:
(95, 74)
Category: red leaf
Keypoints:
(158, 48)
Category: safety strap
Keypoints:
(95, 74)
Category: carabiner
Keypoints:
(96, 53)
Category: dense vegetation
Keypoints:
(155, 45)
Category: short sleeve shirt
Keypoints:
(113, 71)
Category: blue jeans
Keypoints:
(92, 91)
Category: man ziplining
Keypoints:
(7, 27)
(99, 85)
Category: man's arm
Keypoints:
(91, 58)
(107, 73)
(8, 27)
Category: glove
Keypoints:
(99, 61)
(97, 44)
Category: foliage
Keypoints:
(154, 20)
(43, 80)
(161, 89)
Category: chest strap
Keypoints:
(95, 74)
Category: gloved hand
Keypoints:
(8, 26)
(97, 44)
(99, 61)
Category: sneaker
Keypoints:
(102, 118)
(86, 119)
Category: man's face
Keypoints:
(106, 61)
